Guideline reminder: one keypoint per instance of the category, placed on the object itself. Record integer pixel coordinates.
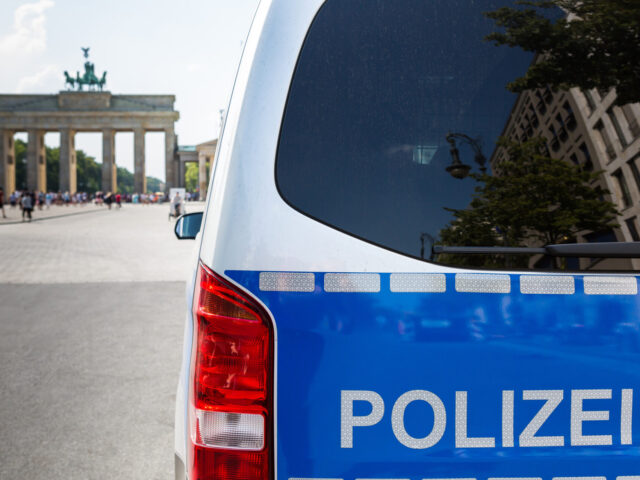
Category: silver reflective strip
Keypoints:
(351, 282)
(448, 479)
(547, 284)
(628, 477)
(579, 478)
(482, 283)
(514, 478)
(418, 282)
(287, 282)
(610, 285)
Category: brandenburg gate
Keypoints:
(71, 111)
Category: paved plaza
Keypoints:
(133, 244)
(92, 313)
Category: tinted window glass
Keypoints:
(385, 97)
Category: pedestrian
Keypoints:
(118, 200)
(108, 198)
(27, 205)
(4, 215)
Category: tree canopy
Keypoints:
(597, 45)
(88, 171)
(532, 199)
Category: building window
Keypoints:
(633, 230)
(588, 163)
(591, 103)
(534, 117)
(562, 133)
(611, 153)
(624, 188)
(617, 127)
(635, 171)
(632, 120)
(570, 117)
(574, 159)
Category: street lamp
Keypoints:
(457, 169)
(431, 240)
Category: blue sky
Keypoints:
(189, 48)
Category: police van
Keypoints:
(333, 330)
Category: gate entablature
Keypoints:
(80, 111)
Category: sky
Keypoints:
(188, 48)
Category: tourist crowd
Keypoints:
(27, 201)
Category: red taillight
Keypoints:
(230, 408)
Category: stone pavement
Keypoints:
(134, 244)
(14, 215)
(92, 311)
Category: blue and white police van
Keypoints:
(327, 336)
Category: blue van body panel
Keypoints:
(480, 343)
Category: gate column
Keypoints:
(67, 161)
(139, 170)
(169, 159)
(109, 168)
(7, 163)
(36, 161)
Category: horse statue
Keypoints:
(102, 80)
(69, 80)
(89, 77)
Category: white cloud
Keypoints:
(28, 33)
(47, 80)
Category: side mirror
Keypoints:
(188, 225)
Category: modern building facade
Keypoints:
(586, 129)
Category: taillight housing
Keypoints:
(231, 384)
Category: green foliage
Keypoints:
(599, 48)
(191, 177)
(21, 164)
(53, 169)
(532, 200)
(125, 181)
(155, 184)
(89, 172)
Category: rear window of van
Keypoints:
(386, 95)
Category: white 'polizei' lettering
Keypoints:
(528, 436)
(439, 419)
(462, 440)
(579, 414)
(349, 420)
(507, 418)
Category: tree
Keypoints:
(21, 164)
(53, 169)
(154, 184)
(532, 199)
(598, 48)
(88, 172)
(191, 177)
